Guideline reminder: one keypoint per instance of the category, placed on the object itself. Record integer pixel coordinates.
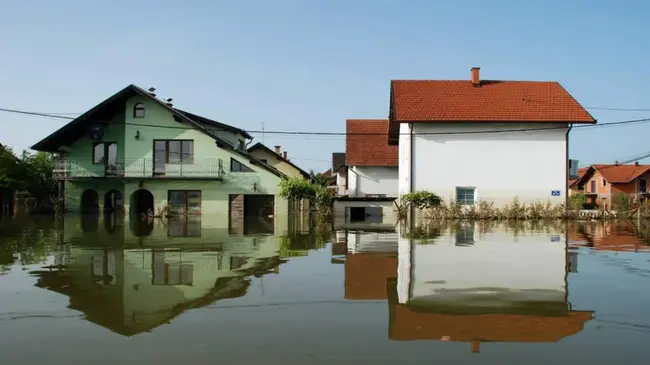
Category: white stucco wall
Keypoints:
(530, 267)
(341, 181)
(529, 165)
(371, 180)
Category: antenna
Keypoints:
(262, 132)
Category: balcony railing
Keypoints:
(139, 168)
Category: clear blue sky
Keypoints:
(308, 65)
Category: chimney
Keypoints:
(636, 163)
(476, 80)
(277, 149)
(284, 155)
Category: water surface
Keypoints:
(109, 290)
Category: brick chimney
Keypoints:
(277, 149)
(284, 155)
(476, 79)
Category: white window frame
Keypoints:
(466, 187)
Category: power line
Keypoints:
(326, 134)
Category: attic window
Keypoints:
(236, 166)
(138, 110)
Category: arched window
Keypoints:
(138, 110)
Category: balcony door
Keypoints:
(105, 153)
(159, 157)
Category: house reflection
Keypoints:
(130, 291)
(465, 283)
(492, 286)
(610, 236)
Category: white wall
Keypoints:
(341, 181)
(531, 267)
(365, 180)
(501, 166)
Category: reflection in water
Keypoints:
(452, 284)
(471, 282)
(130, 291)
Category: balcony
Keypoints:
(142, 168)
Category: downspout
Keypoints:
(566, 179)
(411, 158)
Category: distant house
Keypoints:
(340, 172)
(137, 153)
(603, 183)
(372, 163)
(277, 159)
(573, 186)
(471, 140)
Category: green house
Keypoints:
(137, 154)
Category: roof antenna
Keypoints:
(151, 91)
(262, 132)
(168, 102)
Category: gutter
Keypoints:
(411, 157)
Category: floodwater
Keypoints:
(107, 290)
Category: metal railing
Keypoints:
(68, 169)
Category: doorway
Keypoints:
(89, 201)
(259, 205)
(113, 201)
(142, 202)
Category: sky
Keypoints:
(308, 65)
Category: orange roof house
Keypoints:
(371, 161)
(603, 183)
(512, 135)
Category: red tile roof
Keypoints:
(621, 173)
(507, 101)
(366, 143)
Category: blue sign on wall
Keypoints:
(555, 193)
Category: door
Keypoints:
(111, 159)
(593, 186)
(159, 157)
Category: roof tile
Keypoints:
(366, 143)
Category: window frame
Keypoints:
(137, 107)
(186, 194)
(233, 160)
(182, 160)
(464, 203)
(604, 182)
(105, 150)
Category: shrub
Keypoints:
(422, 200)
(299, 188)
(577, 201)
(514, 210)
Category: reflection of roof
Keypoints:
(616, 240)
(409, 324)
(366, 275)
(366, 143)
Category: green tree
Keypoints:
(321, 179)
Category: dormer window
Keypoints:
(138, 110)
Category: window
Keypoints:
(604, 182)
(236, 262)
(236, 166)
(465, 195)
(105, 153)
(184, 201)
(99, 155)
(593, 186)
(138, 110)
(173, 152)
(184, 227)
(643, 185)
(581, 187)
(264, 160)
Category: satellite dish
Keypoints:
(96, 132)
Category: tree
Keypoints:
(321, 179)
(299, 188)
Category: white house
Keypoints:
(471, 140)
(371, 161)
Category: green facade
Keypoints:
(135, 151)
